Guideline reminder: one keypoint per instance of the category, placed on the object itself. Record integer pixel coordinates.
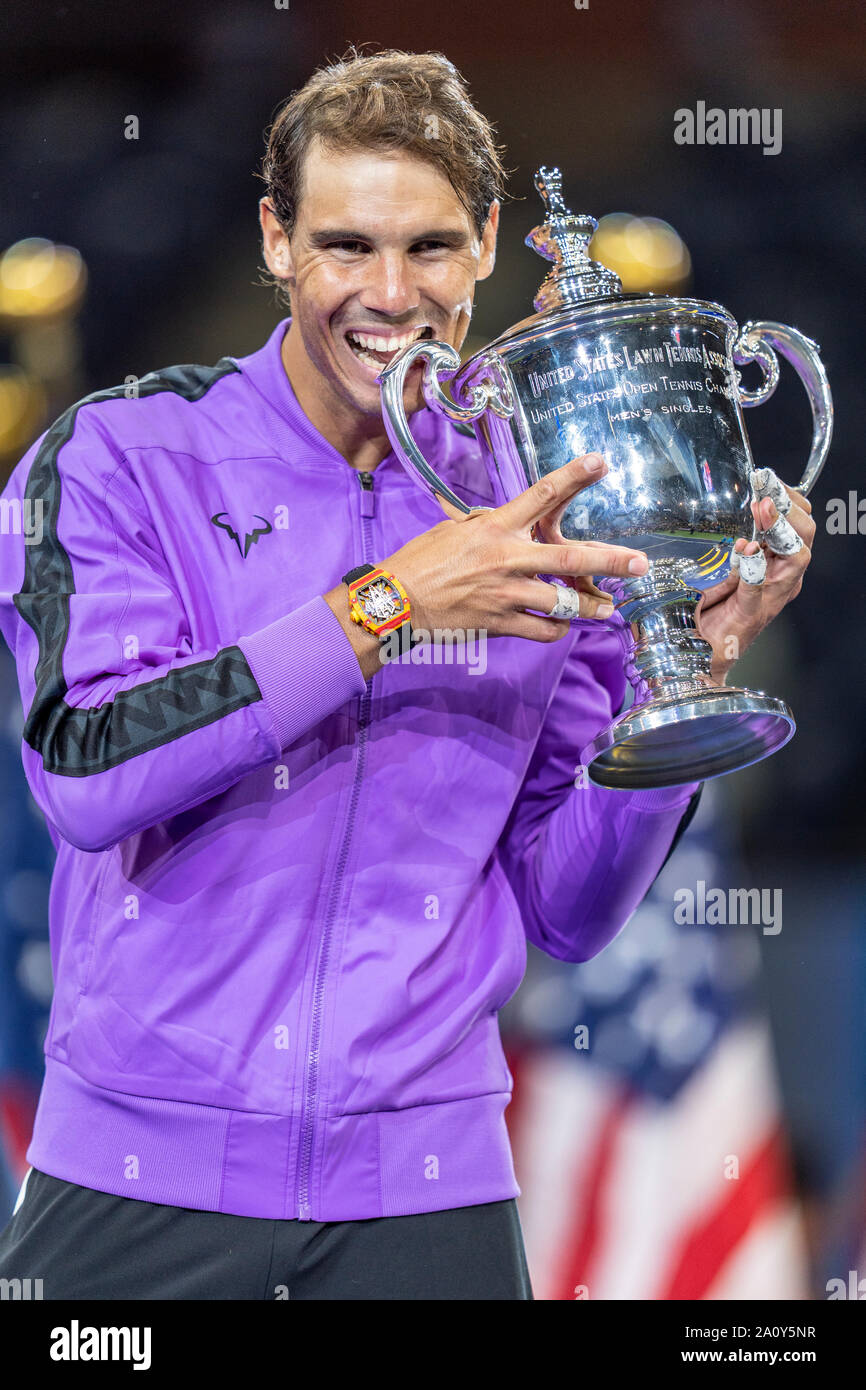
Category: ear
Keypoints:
(275, 244)
(487, 258)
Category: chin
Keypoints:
(368, 400)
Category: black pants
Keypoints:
(91, 1245)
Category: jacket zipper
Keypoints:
(368, 511)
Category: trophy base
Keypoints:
(667, 742)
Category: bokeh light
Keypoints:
(646, 253)
(40, 279)
(22, 405)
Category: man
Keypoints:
(294, 879)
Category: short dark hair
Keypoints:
(387, 100)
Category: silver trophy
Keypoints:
(649, 382)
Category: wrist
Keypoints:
(363, 643)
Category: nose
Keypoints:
(390, 287)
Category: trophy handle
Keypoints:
(759, 342)
(441, 360)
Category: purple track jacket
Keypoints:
(287, 903)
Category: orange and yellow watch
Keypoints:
(379, 603)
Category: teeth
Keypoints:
(373, 343)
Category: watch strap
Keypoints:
(357, 573)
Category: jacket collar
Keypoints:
(453, 454)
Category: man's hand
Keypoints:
(480, 572)
(731, 614)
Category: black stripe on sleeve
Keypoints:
(80, 742)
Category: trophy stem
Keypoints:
(682, 726)
(666, 656)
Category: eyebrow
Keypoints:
(451, 236)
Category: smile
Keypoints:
(376, 350)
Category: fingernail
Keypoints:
(593, 463)
(604, 610)
(638, 565)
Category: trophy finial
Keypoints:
(564, 239)
(549, 185)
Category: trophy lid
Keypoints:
(564, 239)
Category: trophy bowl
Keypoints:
(649, 382)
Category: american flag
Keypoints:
(646, 1122)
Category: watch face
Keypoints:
(380, 600)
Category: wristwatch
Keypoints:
(379, 603)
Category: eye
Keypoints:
(430, 246)
(352, 247)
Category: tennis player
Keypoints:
(299, 857)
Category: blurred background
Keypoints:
(689, 1117)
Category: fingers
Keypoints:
(576, 559)
(766, 484)
(780, 514)
(538, 629)
(785, 530)
(582, 582)
(562, 601)
(547, 500)
(777, 532)
(797, 518)
(752, 568)
(749, 567)
(552, 492)
(782, 538)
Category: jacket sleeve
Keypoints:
(581, 858)
(126, 723)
